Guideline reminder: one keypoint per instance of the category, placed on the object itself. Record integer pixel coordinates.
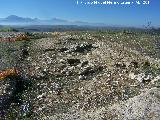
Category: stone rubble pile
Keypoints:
(75, 78)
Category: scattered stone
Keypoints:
(82, 77)
(67, 71)
(41, 75)
(142, 77)
(132, 76)
(95, 45)
(62, 61)
(49, 49)
(157, 78)
(87, 71)
(74, 80)
(80, 48)
(45, 70)
(147, 78)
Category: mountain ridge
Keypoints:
(17, 20)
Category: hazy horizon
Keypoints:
(123, 15)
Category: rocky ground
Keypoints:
(82, 76)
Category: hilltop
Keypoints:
(82, 75)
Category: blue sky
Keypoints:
(128, 15)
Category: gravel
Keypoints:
(79, 77)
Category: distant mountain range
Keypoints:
(16, 20)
